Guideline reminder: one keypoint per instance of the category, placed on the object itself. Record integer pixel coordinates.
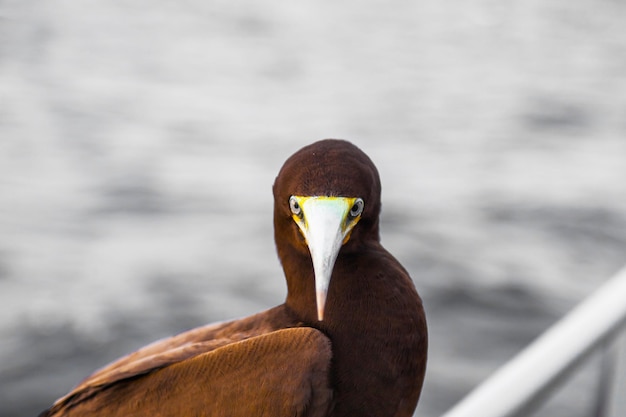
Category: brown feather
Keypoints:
(289, 378)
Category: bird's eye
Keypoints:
(357, 208)
(294, 206)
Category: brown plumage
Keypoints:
(350, 340)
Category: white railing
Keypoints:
(526, 380)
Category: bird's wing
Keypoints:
(188, 344)
(282, 373)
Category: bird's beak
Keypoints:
(325, 223)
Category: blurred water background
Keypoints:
(139, 141)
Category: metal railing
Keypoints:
(524, 382)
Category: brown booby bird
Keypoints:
(350, 339)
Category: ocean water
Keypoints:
(139, 142)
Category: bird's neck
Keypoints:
(375, 321)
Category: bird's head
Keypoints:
(326, 200)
